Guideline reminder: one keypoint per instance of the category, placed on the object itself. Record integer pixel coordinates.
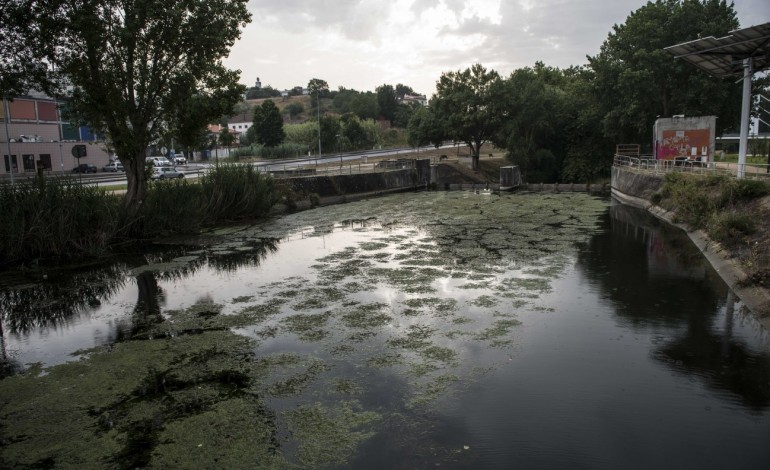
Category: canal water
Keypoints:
(450, 330)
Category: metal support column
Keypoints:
(745, 111)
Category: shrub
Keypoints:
(731, 227)
(55, 217)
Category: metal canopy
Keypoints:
(724, 57)
(742, 52)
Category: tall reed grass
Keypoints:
(46, 218)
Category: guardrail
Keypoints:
(649, 164)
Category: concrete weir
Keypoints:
(635, 188)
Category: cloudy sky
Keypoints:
(362, 44)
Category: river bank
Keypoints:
(742, 264)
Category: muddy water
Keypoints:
(458, 330)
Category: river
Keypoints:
(420, 330)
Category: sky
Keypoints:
(362, 44)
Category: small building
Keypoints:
(681, 137)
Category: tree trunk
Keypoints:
(137, 187)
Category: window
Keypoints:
(29, 162)
(9, 162)
(44, 162)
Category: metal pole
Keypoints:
(6, 117)
(318, 104)
(745, 110)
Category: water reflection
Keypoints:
(655, 277)
(58, 299)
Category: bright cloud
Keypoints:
(364, 43)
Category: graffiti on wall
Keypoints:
(692, 143)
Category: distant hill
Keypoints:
(282, 103)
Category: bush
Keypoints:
(46, 218)
(731, 227)
(52, 218)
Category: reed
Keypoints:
(43, 218)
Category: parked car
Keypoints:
(84, 168)
(113, 167)
(180, 159)
(159, 161)
(166, 172)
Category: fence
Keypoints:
(648, 163)
(327, 168)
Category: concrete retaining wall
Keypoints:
(636, 184)
(338, 185)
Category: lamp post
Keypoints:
(318, 105)
(6, 117)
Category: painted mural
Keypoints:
(692, 143)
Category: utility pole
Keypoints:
(6, 118)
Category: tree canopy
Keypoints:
(467, 102)
(268, 124)
(636, 80)
(134, 65)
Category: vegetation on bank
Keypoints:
(733, 212)
(46, 218)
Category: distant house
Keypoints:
(240, 123)
(422, 100)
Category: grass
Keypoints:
(59, 218)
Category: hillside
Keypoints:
(282, 103)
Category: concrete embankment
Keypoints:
(635, 188)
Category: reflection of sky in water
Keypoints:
(624, 346)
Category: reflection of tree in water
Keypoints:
(722, 361)
(653, 275)
(54, 302)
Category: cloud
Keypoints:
(364, 43)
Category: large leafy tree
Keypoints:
(133, 64)
(268, 124)
(425, 128)
(386, 101)
(467, 102)
(636, 80)
(24, 27)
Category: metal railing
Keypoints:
(648, 164)
(348, 167)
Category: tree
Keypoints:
(268, 124)
(466, 101)
(636, 80)
(386, 102)
(294, 110)
(132, 62)
(364, 105)
(425, 128)
(226, 138)
(403, 90)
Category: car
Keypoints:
(180, 160)
(113, 167)
(159, 161)
(84, 168)
(166, 172)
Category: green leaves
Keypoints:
(268, 124)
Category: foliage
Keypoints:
(364, 105)
(294, 110)
(636, 80)
(425, 127)
(715, 203)
(386, 102)
(264, 92)
(45, 218)
(284, 150)
(466, 100)
(226, 138)
(25, 24)
(133, 64)
(231, 192)
(268, 124)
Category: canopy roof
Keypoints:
(724, 57)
